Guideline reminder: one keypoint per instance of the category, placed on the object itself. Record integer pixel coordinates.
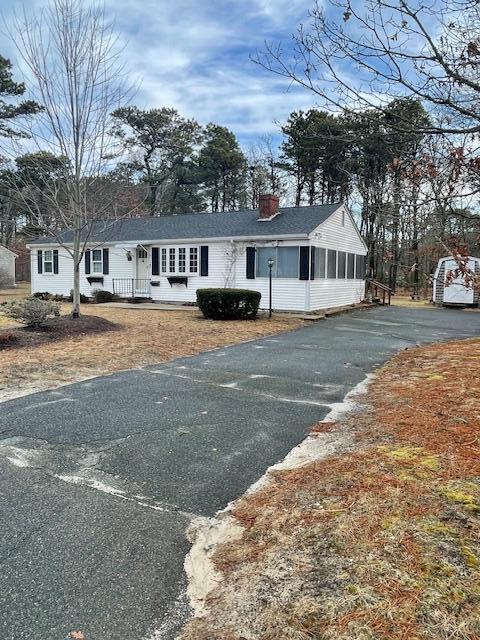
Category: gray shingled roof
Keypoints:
(295, 221)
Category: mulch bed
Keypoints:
(53, 330)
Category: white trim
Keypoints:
(167, 241)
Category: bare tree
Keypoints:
(358, 56)
(73, 57)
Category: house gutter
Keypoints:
(256, 238)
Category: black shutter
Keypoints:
(251, 262)
(155, 261)
(312, 263)
(204, 260)
(304, 260)
(40, 261)
(106, 265)
(55, 261)
(87, 261)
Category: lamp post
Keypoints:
(270, 263)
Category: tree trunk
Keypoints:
(77, 256)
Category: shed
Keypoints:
(7, 268)
(457, 293)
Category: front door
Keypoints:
(457, 292)
(142, 282)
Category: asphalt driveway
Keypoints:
(100, 479)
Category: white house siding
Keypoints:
(324, 292)
(227, 268)
(288, 294)
(62, 282)
(181, 293)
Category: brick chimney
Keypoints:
(267, 206)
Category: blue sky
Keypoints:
(194, 56)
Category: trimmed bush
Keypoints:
(31, 311)
(100, 295)
(228, 304)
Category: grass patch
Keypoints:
(382, 543)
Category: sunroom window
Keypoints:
(331, 264)
(285, 262)
(320, 258)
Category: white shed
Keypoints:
(7, 268)
(456, 293)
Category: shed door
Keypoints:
(457, 292)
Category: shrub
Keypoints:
(228, 304)
(7, 338)
(83, 299)
(31, 311)
(43, 295)
(100, 295)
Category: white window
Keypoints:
(178, 260)
(343, 218)
(285, 262)
(97, 261)
(48, 261)
(171, 260)
(193, 259)
(182, 259)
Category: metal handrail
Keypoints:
(131, 287)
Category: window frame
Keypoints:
(317, 274)
(362, 259)
(193, 260)
(179, 260)
(48, 272)
(94, 262)
(342, 257)
(274, 250)
(332, 277)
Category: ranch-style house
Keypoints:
(317, 251)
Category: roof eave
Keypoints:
(284, 236)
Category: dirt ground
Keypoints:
(144, 337)
(379, 543)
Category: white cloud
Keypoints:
(194, 56)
